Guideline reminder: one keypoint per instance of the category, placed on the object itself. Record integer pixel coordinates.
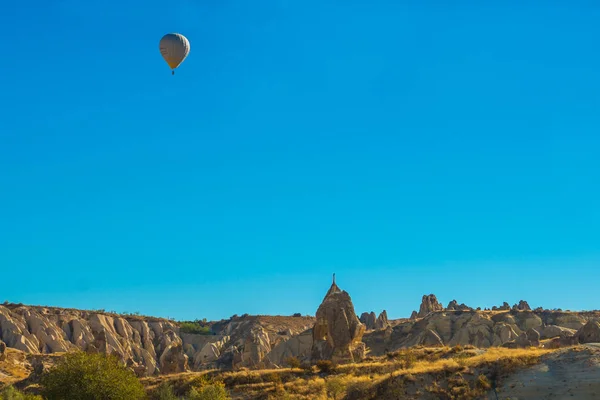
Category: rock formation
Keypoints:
(504, 307)
(522, 306)
(368, 319)
(2, 350)
(429, 304)
(382, 321)
(372, 322)
(150, 346)
(338, 332)
(481, 329)
(298, 346)
(530, 338)
(414, 315)
(589, 333)
(454, 306)
(173, 359)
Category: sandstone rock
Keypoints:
(256, 347)
(429, 303)
(503, 333)
(15, 333)
(338, 332)
(431, 339)
(454, 306)
(552, 331)
(382, 321)
(562, 341)
(2, 350)
(531, 338)
(414, 315)
(298, 346)
(173, 359)
(589, 333)
(522, 306)
(209, 353)
(368, 319)
(571, 321)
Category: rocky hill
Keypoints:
(152, 346)
(149, 345)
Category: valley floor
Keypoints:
(422, 373)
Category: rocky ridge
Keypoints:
(152, 346)
(149, 346)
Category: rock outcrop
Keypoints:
(530, 338)
(372, 322)
(482, 329)
(298, 346)
(337, 333)
(368, 319)
(414, 315)
(2, 350)
(552, 331)
(429, 303)
(589, 333)
(149, 346)
(522, 306)
(504, 307)
(454, 306)
(382, 321)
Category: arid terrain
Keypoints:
(452, 352)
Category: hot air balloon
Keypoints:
(174, 48)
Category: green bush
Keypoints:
(87, 376)
(196, 327)
(10, 393)
(164, 391)
(213, 391)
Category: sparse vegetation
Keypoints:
(213, 391)
(197, 327)
(10, 393)
(293, 362)
(446, 373)
(325, 366)
(336, 387)
(443, 372)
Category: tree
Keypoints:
(87, 376)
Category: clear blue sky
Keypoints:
(410, 147)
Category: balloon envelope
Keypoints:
(174, 48)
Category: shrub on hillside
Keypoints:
(293, 362)
(336, 389)
(82, 375)
(213, 391)
(164, 391)
(195, 327)
(10, 393)
(325, 366)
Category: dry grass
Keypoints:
(14, 368)
(443, 372)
